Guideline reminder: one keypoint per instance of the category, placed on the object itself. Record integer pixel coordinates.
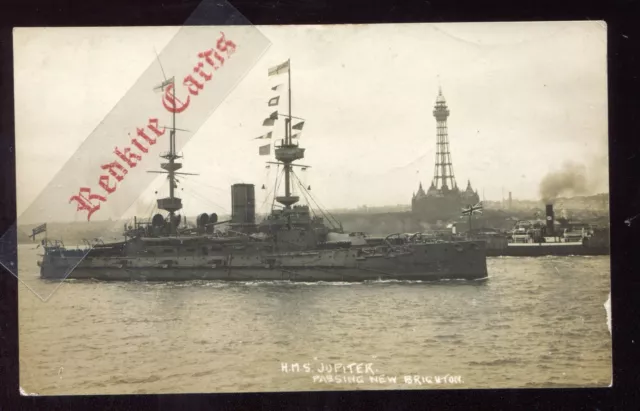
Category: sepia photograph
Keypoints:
(232, 209)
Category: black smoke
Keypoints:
(570, 180)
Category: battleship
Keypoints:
(292, 243)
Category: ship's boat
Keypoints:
(293, 242)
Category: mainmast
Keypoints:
(288, 152)
(289, 122)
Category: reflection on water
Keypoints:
(534, 323)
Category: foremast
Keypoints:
(171, 204)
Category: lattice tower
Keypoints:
(443, 177)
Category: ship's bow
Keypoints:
(59, 267)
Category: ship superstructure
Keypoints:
(291, 243)
(548, 237)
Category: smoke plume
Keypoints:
(571, 179)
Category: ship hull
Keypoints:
(426, 262)
(595, 246)
(246, 274)
(536, 250)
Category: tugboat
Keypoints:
(536, 238)
(289, 244)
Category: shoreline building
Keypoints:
(443, 200)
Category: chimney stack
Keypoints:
(550, 220)
(510, 200)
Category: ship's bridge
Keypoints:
(296, 215)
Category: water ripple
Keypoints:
(526, 326)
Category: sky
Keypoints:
(524, 98)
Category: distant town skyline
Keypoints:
(525, 99)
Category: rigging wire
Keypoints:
(190, 185)
(277, 186)
(205, 200)
(319, 208)
(268, 195)
(186, 178)
(146, 213)
(326, 209)
(150, 209)
(305, 177)
(186, 203)
(154, 205)
(293, 186)
(197, 196)
(264, 202)
(308, 203)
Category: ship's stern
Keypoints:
(458, 260)
(469, 260)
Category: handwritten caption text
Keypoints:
(362, 373)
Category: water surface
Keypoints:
(536, 322)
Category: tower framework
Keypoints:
(443, 177)
(443, 200)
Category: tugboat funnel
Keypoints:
(550, 220)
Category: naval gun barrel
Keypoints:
(218, 223)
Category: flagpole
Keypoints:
(172, 145)
(172, 137)
(289, 70)
(174, 117)
(287, 166)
